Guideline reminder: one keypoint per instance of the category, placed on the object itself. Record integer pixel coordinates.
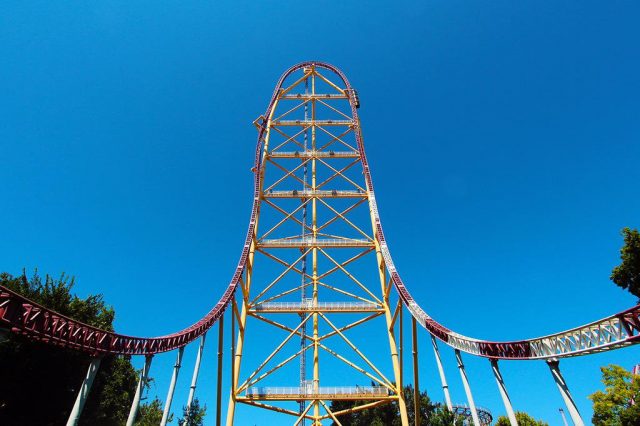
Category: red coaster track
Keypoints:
(20, 315)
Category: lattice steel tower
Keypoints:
(317, 238)
(313, 196)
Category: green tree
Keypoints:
(42, 375)
(618, 404)
(627, 274)
(432, 414)
(150, 414)
(193, 416)
(441, 416)
(523, 420)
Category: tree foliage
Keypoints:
(523, 420)
(193, 416)
(618, 404)
(627, 274)
(35, 374)
(432, 414)
(150, 414)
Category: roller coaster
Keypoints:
(313, 191)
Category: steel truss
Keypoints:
(340, 186)
(485, 417)
(333, 193)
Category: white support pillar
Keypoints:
(141, 383)
(83, 393)
(554, 366)
(503, 392)
(467, 389)
(564, 418)
(443, 379)
(196, 370)
(172, 387)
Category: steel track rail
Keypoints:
(22, 316)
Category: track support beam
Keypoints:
(554, 366)
(196, 371)
(144, 374)
(443, 378)
(416, 382)
(503, 392)
(467, 389)
(83, 393)
(172, 387)
(401, 350)
(219, 381)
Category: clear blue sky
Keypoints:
(503, 139)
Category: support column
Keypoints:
(503, 392)
(467, 389)
(443, 379)
(402, 406)
(554, 366)
(141, 383)
(314, 228)
(232, 349)
(220, 355)
(83, 393)
(172, 387)
(236, 355)
(564, 418)
(196, 370)
(401, 349)
(416, 383)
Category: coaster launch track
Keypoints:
(22, 316)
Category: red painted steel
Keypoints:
(23, 316)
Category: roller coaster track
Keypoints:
(464, 412)
(23, 316)
(20, 315)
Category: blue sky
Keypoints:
(503, 139)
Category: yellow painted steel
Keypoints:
(246, 291)
(219, 381)
(313, 196)
(401, 329)
(416, 382)
(314, 226)
(392, 340)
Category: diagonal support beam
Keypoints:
(355, 349)
(289, 138)
(335, 138)
(243, 386)
(83, 393)
(142, 381)
(503, 392)
(554, 366)
(172, 387)
(348, 274)
(341, 216)
(282, 275)
(356, 367)
(339, 173)
(287, 217)
(467, 389)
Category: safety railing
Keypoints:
(315, 96)
(313, 122)
(320, 306)
(325, 392)
(314, 242)
(312, 153)
(309, 194)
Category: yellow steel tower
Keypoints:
(317, 233)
